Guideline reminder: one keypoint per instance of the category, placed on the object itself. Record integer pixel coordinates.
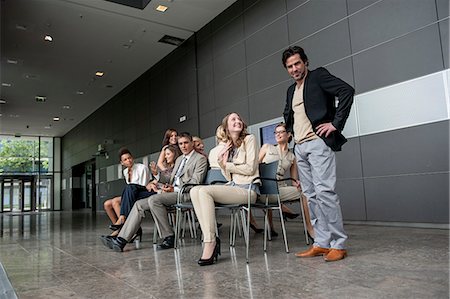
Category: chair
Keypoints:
(186, 209)
(269, 186)
(215, 176)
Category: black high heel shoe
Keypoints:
(137, 235)
(115, 226)
(256, 230)
(214, 256)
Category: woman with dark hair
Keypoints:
(170, 137)
(171, 153)
(238, 160)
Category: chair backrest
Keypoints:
(214, 175)
(268, 177)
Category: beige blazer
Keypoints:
(194, 171)
(244, 167)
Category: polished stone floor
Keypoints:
(59, 255)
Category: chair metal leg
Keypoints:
(177, 227)
(282, 225)
(266, 228)
(192, 212)
(304, 220)
(155, 234)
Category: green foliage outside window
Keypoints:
(22, 156)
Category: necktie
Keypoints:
(180, 168)
(130, 172)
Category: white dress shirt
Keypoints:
(140, 174)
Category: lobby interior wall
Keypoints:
(234, 64)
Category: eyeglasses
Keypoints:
(279, 132)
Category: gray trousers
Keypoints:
(157, 205)
(317, 173)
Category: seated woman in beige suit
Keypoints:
(286, 162)
(238, 161)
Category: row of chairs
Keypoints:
(268, 186)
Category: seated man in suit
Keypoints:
(190, 168)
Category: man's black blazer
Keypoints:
(319, 95)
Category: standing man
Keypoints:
(311, 114)
(190, 168)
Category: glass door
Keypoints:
(17, 194)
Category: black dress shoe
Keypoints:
(106, 240)
(118, 243)
(273, 233)
(115, 226)
(167, 243)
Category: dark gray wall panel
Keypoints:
(351, 196)
(240, 107)
(314, 15)
(229, 61)
(327, 45)
(355, 5)
(443, 27)
(271, 10)
(412, 198)
(158, 122)
(443, 8)
(388, 19)
(267, 41)
(205, 76)
(348, 161)
(231, 89)
(205, 52)
(208, 124)
(266, 73)
(206, 100)
(420, 149)
(268, 104)
(387, 64)
(343, 69)
(228, 35)
(294, 4)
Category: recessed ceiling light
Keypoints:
(11, 61)
(14, 115)
(40, 99)
(80, 92)
(2, 101)
(48, 38)
(6, 84)
(48, 127)
(99, 74)
(66, 107)
(56, 118)
(162, 8)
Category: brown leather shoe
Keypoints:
(312, 251)
(335, 255)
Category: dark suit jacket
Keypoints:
(319, 95)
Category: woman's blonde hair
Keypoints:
(220, 135)
(227, 135)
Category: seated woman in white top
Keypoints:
(238, 161)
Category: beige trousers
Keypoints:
(204, 198)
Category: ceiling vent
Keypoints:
(171, 40)
(141, 4)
